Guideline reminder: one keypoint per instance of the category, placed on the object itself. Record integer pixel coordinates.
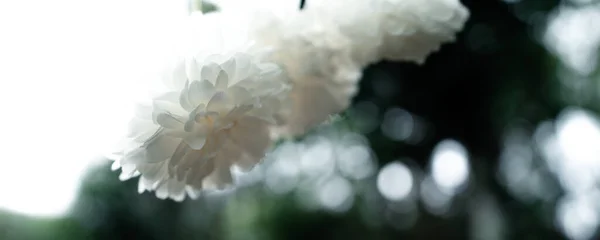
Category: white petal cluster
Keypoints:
(245, 79)
(319, 63)
(412, 29)
(216, 114)
(407, 30)
(325, 47)
(360, 22)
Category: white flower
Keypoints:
(228, 100)
(406, 30)
(318, 60)
(216, 113)
(412, 29)
(324, 49)
(359, 21)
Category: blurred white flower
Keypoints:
(359, 21)
(406, 30)
(227, 98)
(318, 60)
(215, 114)
(412, 29)
(324, 50)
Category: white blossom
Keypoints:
(215, 113)
(359, 21)
(407, 30)
(228, 95)
(319, 64)
(415, 28)
(325, 47)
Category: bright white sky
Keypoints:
(69, 71)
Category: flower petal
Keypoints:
(244, 68)
(229, 67)
(221, 177)
(201, 169)
(194, 71)
(220, 103)
(240, 95)
(153, 172)
(168, 121)
(195, 142)
(184, 98)
(181, 150)
(237, 112)
(209, 72)
(252, 135)
(160, 149)
(222, 81)
(200, 92)
(238, 156)
(168, 102)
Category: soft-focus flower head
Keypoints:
(412, 29)
(318, 60)
(227, 96)
(356, 19)
(324, 49)
(215, 113)
(407, 30)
